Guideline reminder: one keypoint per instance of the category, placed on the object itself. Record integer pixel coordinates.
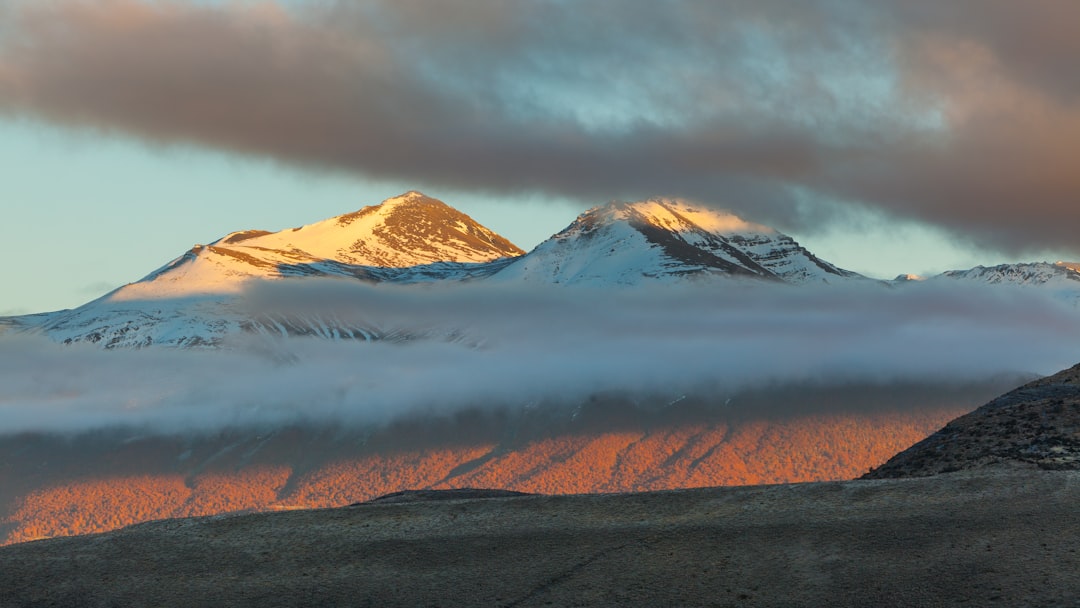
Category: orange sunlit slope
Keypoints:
(101, 487)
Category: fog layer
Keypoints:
(484, 346)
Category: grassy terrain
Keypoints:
(981, 538)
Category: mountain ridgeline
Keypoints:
(196, 300)
(1036, 426)
(254, 454)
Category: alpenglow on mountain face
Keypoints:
(405, 232)
(198, 298)
(413, 238)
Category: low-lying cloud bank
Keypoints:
(525, 348)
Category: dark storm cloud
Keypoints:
(962, 113)
(770, 350)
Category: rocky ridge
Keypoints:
(1036, 426)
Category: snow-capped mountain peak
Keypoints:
(1060, 279)
(200, 298)
(675, 215)
(193, 300)
(1033, 273)
(407, 231)
(908, 278)
(627, 243)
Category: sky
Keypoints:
(887, 137)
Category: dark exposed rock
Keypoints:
(1034, 426)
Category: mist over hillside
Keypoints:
(499, 346)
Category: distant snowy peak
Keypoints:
(411, 231)
(1064, 274)
(908, 278)
(1060, 280)
(627, 243)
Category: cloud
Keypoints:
(768, 350)
(963, 114)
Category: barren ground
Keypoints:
(971, 538)
(1036, 426)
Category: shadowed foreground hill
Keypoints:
(1036, 426)
(1004, 538)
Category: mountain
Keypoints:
(197, 299)
(1036, 426)
(403, 238)
(193, 301)
(664, 239)
(1061, 279)
(1057, 275)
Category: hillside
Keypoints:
(1036, 426)
(980, 540)
(66, 484)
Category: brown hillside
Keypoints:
(986, 539)
(1034, 426)
(57, 486)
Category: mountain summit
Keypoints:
(407, 231)
(627, 243)
(198, 299)
(193, 300)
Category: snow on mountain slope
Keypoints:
(194, 300)
(411, 231)
(1061, 279)
(191, 321)
(199, 299)
(22, 323)
(408, 230)
(210, 322)
(1036, 273)
(630, 243)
